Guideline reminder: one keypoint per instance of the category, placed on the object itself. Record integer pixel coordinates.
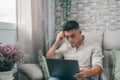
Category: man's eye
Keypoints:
(67, 37)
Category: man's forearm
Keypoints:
(94, 71)
(51, 51)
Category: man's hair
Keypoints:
(70, 25)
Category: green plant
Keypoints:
(66, 6)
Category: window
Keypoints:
(7, 21)
(8, 11)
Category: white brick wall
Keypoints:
(92, 14)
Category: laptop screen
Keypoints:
(63, 69)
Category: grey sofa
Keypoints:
(109, 40)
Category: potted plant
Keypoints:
(9, 54)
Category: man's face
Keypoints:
(74, 37)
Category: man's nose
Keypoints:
(70, 39)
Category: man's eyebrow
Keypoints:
(70, 35)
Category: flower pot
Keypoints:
(6, 75)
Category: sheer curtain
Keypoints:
(35, 21)
(49, 22)
(30, 30)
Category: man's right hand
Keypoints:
(60, 37)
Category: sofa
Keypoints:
(108, 39)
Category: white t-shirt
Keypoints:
(87, 54)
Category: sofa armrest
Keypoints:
(31, 71)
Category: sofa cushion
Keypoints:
(111, 40)
(116, 63)
(93, 36)
(33, 71)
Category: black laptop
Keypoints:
(63, 69)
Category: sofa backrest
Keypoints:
(111, 40)
(93, 36)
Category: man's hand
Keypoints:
(81, 75)
(60, 37)
(95, 70)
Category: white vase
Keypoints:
(6, 75)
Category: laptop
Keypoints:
(62, 69)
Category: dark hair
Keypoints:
(69, 25)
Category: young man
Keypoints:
(76, 47)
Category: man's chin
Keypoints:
(72, 45)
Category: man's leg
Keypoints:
(54, 78)
(88, 78)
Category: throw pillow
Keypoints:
(43, 64)
(111, 39)
(116, 64)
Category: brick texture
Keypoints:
(91, 14)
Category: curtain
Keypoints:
(49, 22)
(35, 25)
(30, 30)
